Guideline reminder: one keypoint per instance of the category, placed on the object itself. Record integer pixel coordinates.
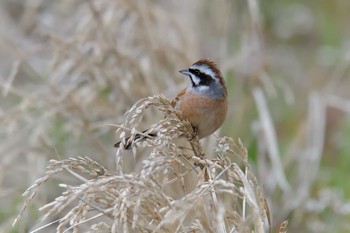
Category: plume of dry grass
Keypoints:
(68, 67)
(168, 194)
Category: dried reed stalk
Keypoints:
(159, 197)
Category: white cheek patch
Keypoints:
(195, 79)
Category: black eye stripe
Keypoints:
(205, 79)
(194, 71)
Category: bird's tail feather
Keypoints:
(138, 137)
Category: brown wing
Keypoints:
(178, 98)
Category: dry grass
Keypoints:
(168, 194)
(76, 67)
(71, 69)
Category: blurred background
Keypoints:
(70, 68)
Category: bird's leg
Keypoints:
(195, 133)
(197, 150)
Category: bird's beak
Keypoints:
(185, 72)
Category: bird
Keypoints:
(203, 102)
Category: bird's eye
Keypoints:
(196, 72)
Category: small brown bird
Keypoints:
(203, 103)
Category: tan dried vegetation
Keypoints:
(71, 70)
(176, 189)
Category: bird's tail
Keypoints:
(138, 138)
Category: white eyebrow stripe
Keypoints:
(204, 69)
